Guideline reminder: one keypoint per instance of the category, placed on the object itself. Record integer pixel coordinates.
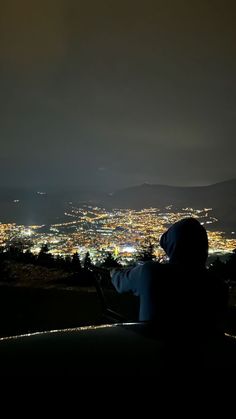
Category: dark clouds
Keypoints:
(144, 90)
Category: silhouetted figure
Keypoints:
(180, 297)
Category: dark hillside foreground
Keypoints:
(28, 309)
(76, 338)
(25, 309)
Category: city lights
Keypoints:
(119, 231)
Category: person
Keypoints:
(181, 296)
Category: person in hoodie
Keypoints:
(180, 296)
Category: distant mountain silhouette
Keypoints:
(219, 196)
(30, 207)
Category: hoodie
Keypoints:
(181, 294)
(186, 242)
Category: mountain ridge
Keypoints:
(220, 196)
(33, 208)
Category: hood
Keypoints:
(186, 242)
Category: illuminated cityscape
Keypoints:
(119, 231)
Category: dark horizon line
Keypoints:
(43, 188)
(181, 186)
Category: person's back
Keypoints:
(180, 297)
(181, 300)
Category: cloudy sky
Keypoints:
(110, 93)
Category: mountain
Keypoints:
(42, 206)
(220, 196)
(46, 207)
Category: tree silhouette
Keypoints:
(75, 263)
(231, 266)
(67, 263)
(60, 262)
(87, 262)
(44, 257)
(44, 248)
(110, 261)
(219, 268)
(29, 257)
(14, 252)
(146, 252)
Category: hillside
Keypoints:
(28, 206)
(31, 207)
(220, 196)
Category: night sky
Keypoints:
(116, 93)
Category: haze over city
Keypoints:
(97, 98)
(108, 97)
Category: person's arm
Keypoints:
(127, 280)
